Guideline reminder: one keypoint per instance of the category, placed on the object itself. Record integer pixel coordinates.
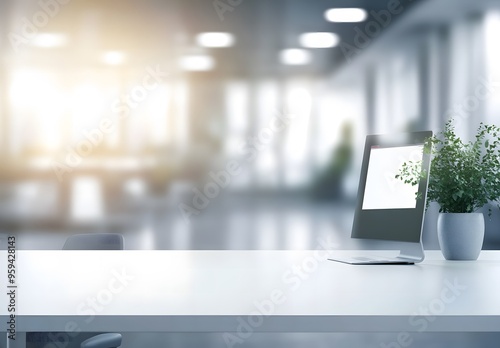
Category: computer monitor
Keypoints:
(387, 208)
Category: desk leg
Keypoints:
(19, 342)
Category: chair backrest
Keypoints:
(94, 241)
(107, 340)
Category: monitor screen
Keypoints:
(387, 208)
(381, 182)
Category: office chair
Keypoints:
(97, 241)
(107, 340)
(92, 241)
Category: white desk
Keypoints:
(216, 291)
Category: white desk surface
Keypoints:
(214, 291)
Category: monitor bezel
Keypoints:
(377, 224)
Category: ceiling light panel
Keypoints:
(318, 40)
(349, 15)
(215, 39)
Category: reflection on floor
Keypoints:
(228, 223)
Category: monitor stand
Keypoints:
(409, 254)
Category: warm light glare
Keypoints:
(86, 101)
(295, 56)
(45, 108)
(197, 63)
(49, 40)
(30, 85)
(114, 58)
(319, 40)
(345, 15)
(215, 39)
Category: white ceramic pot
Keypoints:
(461, 235)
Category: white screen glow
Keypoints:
(382, 189)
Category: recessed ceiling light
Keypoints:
(197, 63)
(319, 40)
(114, 58)
(346, 15)
(215, 39)
(49, 40)
(295, 56)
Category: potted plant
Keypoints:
(464, 177)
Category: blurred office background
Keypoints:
(116, 114)
(113, 113)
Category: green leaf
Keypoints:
(464, 176)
